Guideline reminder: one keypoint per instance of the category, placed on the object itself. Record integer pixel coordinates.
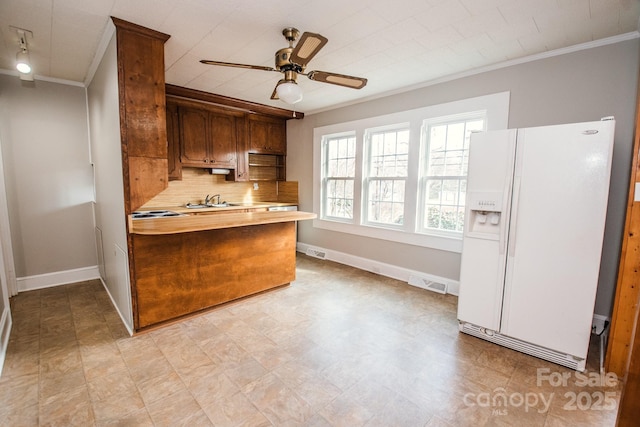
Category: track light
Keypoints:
(23, 62)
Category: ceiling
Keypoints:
(395, 44)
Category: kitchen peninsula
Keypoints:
(176, 147)
(190, 263)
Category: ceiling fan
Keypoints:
(291, 61)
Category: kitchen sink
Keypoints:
(242, 204)
(210, 205)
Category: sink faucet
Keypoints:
(209, 200)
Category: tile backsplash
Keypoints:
(197, 183)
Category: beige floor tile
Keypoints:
(246, 372)
(54, 383)
(139, 418)
(399, 411)
(233, 410)
(105, 360)
(210, 386)
(160, 386)
(20, 391)
(276, 401)
(113, 396)
(68, 408)
(179, 409)
(22, 415)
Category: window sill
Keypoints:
(450, 244)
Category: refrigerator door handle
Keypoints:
(514, 217)
(503, 221)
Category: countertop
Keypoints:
(228, 219)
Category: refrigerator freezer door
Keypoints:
(561, 187)
(484, 243)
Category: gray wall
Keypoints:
(104, 124)
(48, 176)
(575, 87)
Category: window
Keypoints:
(443, 182)
(387, 160)
(402, 176)
(338, 177)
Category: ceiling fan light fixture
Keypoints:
(289, 92)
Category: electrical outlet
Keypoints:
(256, 186)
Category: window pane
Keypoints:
(340, 157)
(386, 201)
(389, 153)
(444, 183)
(339, 198)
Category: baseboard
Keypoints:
(5, 331)
(48, 280)
(383, 269)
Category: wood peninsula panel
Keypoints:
(179, 274)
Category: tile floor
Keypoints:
(338, 347)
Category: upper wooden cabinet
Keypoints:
(267, 135)
(215, 131)
(173, 142)
(208, 138)
(143, 127)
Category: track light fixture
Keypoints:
(23, 62)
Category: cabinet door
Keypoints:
(242, 151)
(173, 145)
(193, 137)
(223, 139)
(267, 135)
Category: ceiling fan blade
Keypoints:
(233, 64)
(308, 46)
(338, 79)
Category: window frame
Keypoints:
(496, 107)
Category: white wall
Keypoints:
(104, 125)
(580, 86)
(48, 177)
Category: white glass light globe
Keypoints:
(289, 92)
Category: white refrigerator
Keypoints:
(535, 214)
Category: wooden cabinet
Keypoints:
(267, 135)
(173, 143)
(208, 138)
(242, 150)
(143, 128)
